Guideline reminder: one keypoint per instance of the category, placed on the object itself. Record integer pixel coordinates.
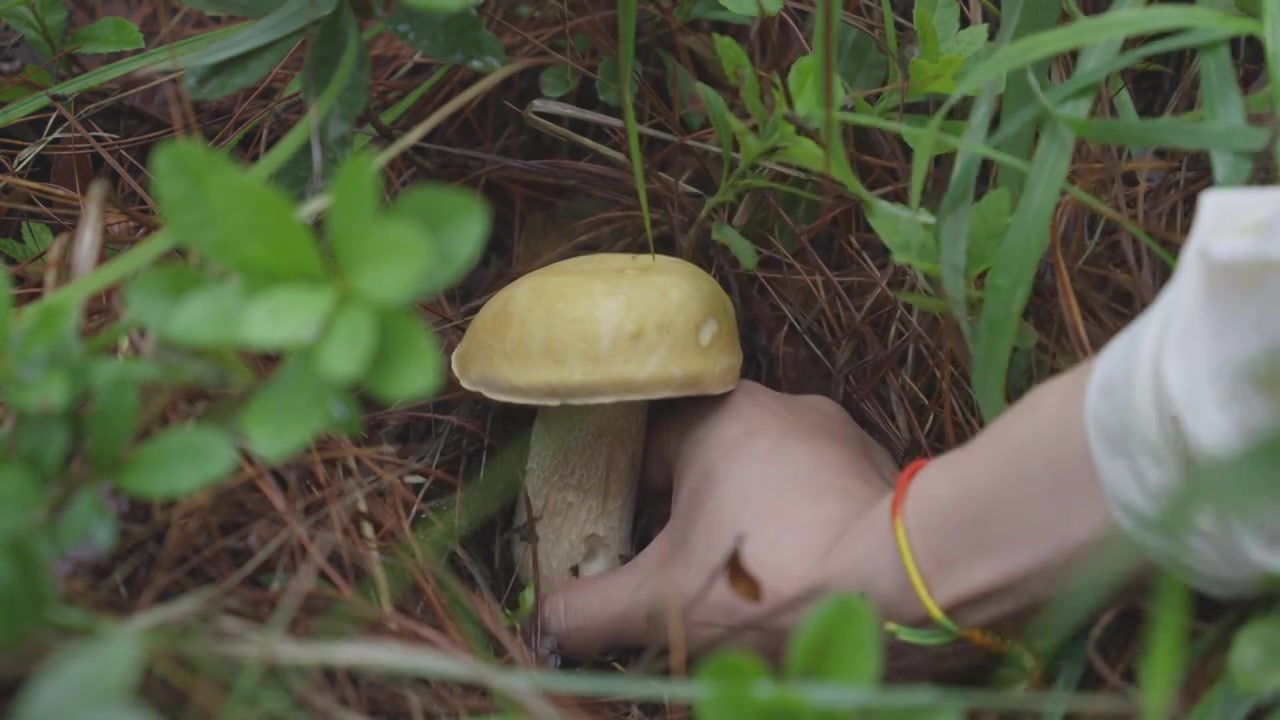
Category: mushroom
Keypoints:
(590, 340)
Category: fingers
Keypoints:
(609, 611)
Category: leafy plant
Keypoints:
(330, 313)
(943, 48)
(838, 642)
(335, 75)
(43, 26)
(334, 312)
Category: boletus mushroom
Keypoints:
(590, 341)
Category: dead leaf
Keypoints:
(72, 166)
(741, 580)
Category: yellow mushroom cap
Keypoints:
(602, 328)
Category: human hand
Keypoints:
(781, 478)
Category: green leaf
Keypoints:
(240, 8)
(106, 35)
(150, 297)
(838, 640)
(680, 82)
(440, 6)
(87, 525)
(290, 410)
(42, 390)
(335, 82)
(1171, 134)
(926, 33)
(21, 498)
(559, 80)
(987, 225)
(753, 8)
(40, 22)
(346, 351)
(459, 222)
(934, 76)
(928, 303)
(357, 199)
(1252, 661)
(1223, 103)
(859, 61)
(215, 207)
(409, 364)
(207, 317)
(217, 80)
(6, 307)
(43, 352)
(456, 38)
(286, 18)
(26, 590)
(741, 73)
(966, 42)
(43, 442)
(338, 34)
(608, 77)
(1249, 7)
(287, 316)
(729, 675)
(392, 264)
(114, 412)
(905, 235)
(720, 117)
(30, 80)
(100, 670)
(46, 333)
(712, 10)
(177, 462)
(944, 16)
(804, 81)
(36, 239)
(743, 249)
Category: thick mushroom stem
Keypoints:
(581, 477)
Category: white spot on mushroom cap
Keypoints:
(707, 331)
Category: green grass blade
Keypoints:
(1271, 47)
(150, 60)
(1110, 27)
(1008, 161)
(1222, 100)
(627, 16)
(290, 17)
(952, 229)
(1081, 80)
(1164, 652)
(1107, 29)
(1034, 16)
(1190, 135)
(1013, 271)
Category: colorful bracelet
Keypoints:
(947, 630)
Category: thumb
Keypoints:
(609, 611)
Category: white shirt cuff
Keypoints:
(1182, 384)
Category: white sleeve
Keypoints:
(1183, 383)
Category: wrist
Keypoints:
(992, 524)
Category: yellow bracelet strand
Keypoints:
(983, 639)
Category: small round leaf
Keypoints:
(287, 316)
(347, 349)
(1253, 662)
(409, 364)
(177, 462)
